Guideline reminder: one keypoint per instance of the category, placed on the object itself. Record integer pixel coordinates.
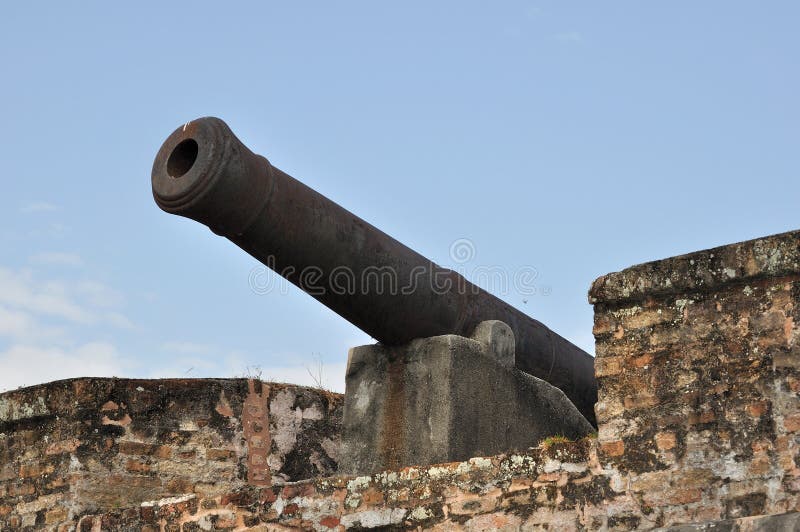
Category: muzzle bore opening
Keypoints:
(182, 158)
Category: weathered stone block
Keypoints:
(446, 398)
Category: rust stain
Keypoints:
(788, 329)
(255, 422)
(392, 442)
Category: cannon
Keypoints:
(204, 172)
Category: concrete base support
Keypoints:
(446, 398)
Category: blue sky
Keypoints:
(574, 138)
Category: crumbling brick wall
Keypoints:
(697, 361)
(84, 446)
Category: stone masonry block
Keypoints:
(446, 398)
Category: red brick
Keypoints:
(673, 496)
(613, 448)
(57, 482)
(109, 406)
(25, 488)
(147, 513)
(219, 454)
(693, 478)
(757, 409)
(329, 521)
(760, 466)
(180, 485)
(760, 446)
(136, 466)
(35, 470)
(699, 418)
(607, 366)
(60, 447)
(641, 400)
(643, 360)
(665, 440)
(290, 509)
(792, 423)
(372, 497)
(300, 489)
(56, 515)
(145, 449)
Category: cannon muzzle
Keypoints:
(381, 286)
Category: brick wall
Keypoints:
(697, 361)
(562, 486)
(84, 446)
(555, 486)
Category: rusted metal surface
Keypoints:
(383, 287)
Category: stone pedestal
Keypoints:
(446, 398)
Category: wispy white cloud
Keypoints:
(56, 258)
(19, 289)
(25, 365)
(99, 295)
(118, 320)
(16, 324)
(569, 37)
(37, 206)
(187, 367)
(533, 11)
(37, 318)
(39, 341)
(85, 302)
(150, 296)
(188, 348)
(19, 326)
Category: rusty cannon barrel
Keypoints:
(381, 286)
